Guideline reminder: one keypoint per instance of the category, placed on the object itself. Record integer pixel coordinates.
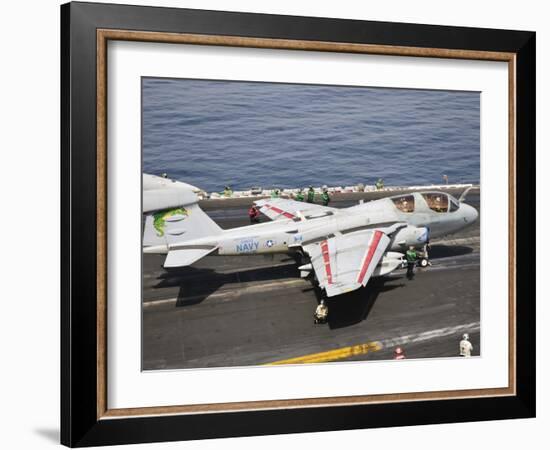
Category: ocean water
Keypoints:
(243, 134)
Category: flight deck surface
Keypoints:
(253, 310)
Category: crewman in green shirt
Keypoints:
(310, 195)
(300, 195)
(380, 184)
(227, 192)
(325, 197)
(411, 258)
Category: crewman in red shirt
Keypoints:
(398, 353)
(254, 214)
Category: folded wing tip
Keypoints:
(332, 289)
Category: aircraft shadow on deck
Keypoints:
(354, 307)
(197, 284)
(445, 251)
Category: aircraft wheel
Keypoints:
(423, 262)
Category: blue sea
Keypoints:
(215, 133)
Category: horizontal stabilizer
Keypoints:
(185, 256)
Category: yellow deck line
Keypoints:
(332, 355)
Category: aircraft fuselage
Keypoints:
(425, 221)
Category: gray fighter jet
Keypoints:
(343, 248)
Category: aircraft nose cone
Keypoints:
(471, 214)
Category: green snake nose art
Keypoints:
(159, 219)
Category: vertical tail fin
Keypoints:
(179, 224)
(172, 214)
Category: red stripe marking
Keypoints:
(280, 211)
(326, 259)
(370, 253)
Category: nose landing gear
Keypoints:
(424, 260)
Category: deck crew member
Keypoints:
(380, 184)
(399, 353)
(300, 196)
(411, 257)
(254, 214)
(310, 195)
(321, 313)
(227, 192)
(466, 346)
(325, 197)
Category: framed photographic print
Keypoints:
(277, 224)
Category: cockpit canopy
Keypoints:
(404, 203)
(436, 201)
(440, 202)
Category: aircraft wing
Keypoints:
(282, 208)
(344, 263)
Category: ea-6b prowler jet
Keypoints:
(345, 247)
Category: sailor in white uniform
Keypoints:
(466, 346)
